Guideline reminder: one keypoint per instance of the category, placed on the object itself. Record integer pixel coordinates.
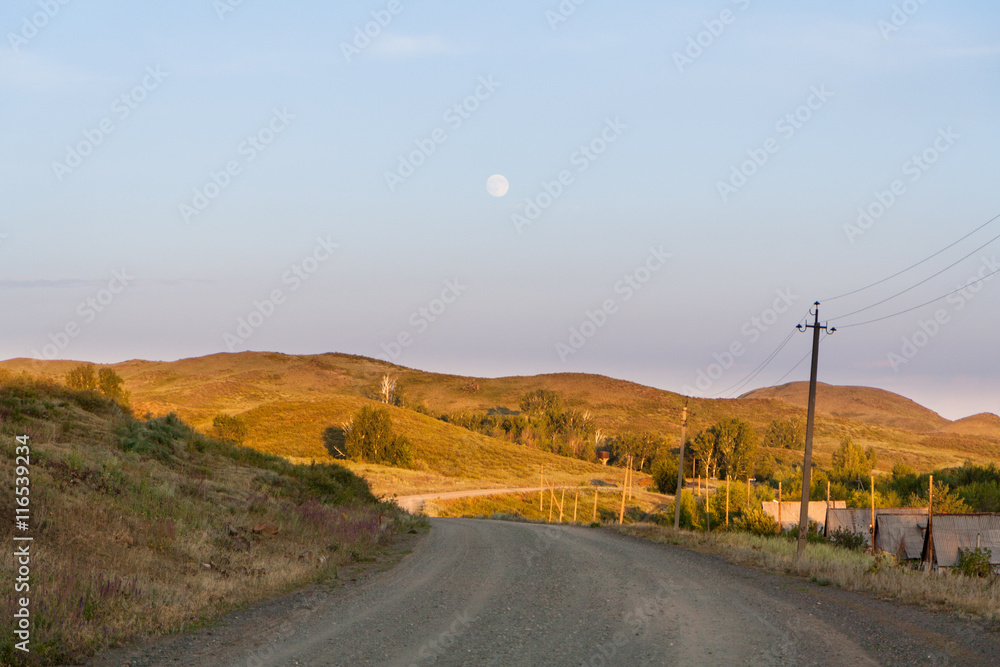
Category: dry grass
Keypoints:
(536, 506)
(129, 544)
(289, 400)
(829, 565)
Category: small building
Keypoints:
(951, 532)
(858, 520)
(901, 532)
(788, 511)
(852, 519)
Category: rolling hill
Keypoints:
(864, 404)
(289, 400)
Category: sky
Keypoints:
(685, 180)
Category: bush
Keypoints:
(692, 517)
(664, 472)
(974, 562)
(230, 428)
(848, 539)
(368, 437)
(757, 522)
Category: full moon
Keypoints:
(497, 185)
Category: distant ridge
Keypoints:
(866, 404)
(985, 424)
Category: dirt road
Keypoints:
(416, 503)
(497, 593)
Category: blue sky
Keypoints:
(262, 118)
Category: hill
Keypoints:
(289, 400)
(142, 526)
(861, 404)
(984, 424)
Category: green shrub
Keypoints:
(848, 539)
(664, 472)
(231, 428)
(369, 437)
(974, 562)
(757, 522)
(692, 516)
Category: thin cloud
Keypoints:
(399, 46)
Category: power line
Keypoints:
(909, 268)
(806, 356)
(926, 303)
(760, 367)
(950, 266)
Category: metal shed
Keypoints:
(950, 532)
(853, 519)
(858, 520)
(901, 534)
(790, 511)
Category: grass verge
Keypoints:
(828, 565)
(144, 527)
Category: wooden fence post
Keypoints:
(576, 503)
(594, 520)
(727, 501)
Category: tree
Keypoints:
(703, 448)
(112, 385)
(231, 428)
(727, 448)
(852, 464)
(368, 437)
(82, 377)
(541, 401)
(664, 472)
(786, 434)
(387, 389)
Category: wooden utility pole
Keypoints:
(594, 520)
(930, 523)
(727, 501)
(810, 423)
(873, 512)
(680, 469)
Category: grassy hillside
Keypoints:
(144, 526)
(289, 400)
(985, 424)
(863, 404)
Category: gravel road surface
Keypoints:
(498, 593)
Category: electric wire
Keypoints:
(911, 287)
(913, 266)
(792, 369)
(926, 303)
(760, 367)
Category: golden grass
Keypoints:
(128, 545)
(289, 400)
(829, 565)
(536, 506)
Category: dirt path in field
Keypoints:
(498, 593)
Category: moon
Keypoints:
(497, 185)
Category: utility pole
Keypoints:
(810, 419)
(680, 470)
(930, 523)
